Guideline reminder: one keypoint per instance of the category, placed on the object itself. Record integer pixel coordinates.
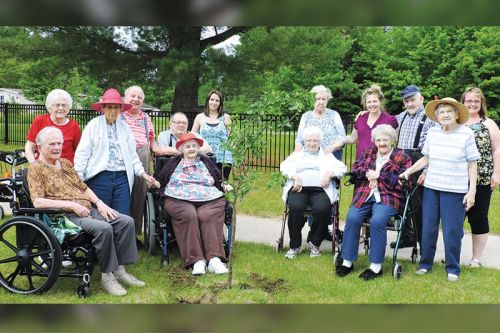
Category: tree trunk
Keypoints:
(186, 46)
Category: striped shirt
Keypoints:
(408, 128)
(449, 154)
(138, 127)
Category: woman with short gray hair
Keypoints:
(327, 120)
(58, 103)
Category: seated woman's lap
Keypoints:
(316, 196)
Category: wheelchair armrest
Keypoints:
(33, 211)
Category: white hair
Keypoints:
(322, 89)
(385, 129)
(313, 131)
(56, 94)
(40, 138)
(129, 89)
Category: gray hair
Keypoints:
(56, 94)
(127, 91)
(40, 138)
(442, 105)
(322, 89)
(179, 113)
(313, 131)
(385, 129)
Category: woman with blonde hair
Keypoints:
(372, 101)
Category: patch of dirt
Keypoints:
(268, 285)
(180, 277)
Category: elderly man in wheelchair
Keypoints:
(309, 176)
(54, 183)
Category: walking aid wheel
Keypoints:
(397, 271)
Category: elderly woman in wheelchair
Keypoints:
(309, 176)
(54, 183)
(378, 194)
(194, 198)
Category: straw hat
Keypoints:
(111, 96)
(463, 112)
(186, 137)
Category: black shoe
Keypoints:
(402, 244)
(370, 275)
(342, 270)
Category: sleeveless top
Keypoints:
(483, 143)
(215, 135)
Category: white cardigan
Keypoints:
(92, 153)
(327, 163)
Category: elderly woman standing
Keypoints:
(327, 120)
(377, 194)
(214, 126)
(309, 173)
(195, 201)
(106, 158)
(450, 185)
(372, 101)
(58, 103)
(487, 137)
(142, 128)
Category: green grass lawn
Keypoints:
(263, 276)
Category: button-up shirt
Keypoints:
(408, 126)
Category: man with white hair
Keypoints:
(54, 183)
(413, 128)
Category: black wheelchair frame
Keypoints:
(396, 223)
(158, 230)
(30, 255)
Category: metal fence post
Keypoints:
(6, 123)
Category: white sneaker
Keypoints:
(112, 286)
(199, 267)
(452, 277)
(292, 253)
(67, 263)
(129, 279)
(216, 266)
(474, 263)
(314, 250)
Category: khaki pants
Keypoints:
(139, 190)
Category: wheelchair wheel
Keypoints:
(30, 256)
(414, 256)
(2, 213)
(397, 271)
(149, 224)
(337, 259)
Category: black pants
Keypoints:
(225, 169)
(478, 214)
(413, 228)
(321, 207)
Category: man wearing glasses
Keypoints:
(178, 127)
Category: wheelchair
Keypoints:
(158, 230)
(336, 233)
(395, 223)
(31, 257)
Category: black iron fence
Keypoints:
(15, 121)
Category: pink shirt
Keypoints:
(365, 131)
(138, 128)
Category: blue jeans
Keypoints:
(380, 214)
(448, 207)
(112, 188)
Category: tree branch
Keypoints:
(218, 38)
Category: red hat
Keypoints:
(111, 96)
(186, 137)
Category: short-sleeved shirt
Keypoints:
(167, 139)
(138, 126)
(408, 128)
(51, 183)
(365, 131)
(71, 134)
(449, 154)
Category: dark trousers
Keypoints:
(321, 208)
(409, 233)
(225, 169)
(478, 214)
(198, 228)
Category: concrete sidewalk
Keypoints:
(267, 231)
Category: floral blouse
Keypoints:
(191, 181)
(483, 143)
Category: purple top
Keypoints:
(365, 131)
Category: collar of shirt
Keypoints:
(418, 113)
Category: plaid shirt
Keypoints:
(391, 193)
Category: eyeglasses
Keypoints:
(471, 101)
(179, 122)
